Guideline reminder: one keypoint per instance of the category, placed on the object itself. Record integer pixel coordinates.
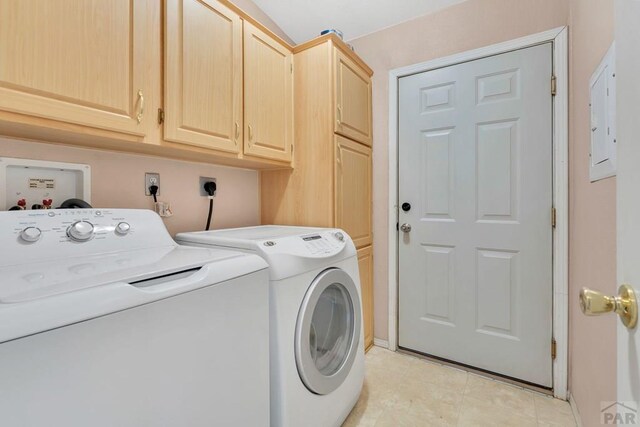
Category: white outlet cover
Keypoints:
(35, 180)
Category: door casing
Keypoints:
(559, 38)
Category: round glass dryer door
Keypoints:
(328, 331)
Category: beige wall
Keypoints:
(592, 228)
(469, 25)
(118, 182)
(254, 11)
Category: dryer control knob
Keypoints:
(31, 234)
(338, 235)
(81, 231)
(123, 228)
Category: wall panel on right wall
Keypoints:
(592, 220)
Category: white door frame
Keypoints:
(558, 37)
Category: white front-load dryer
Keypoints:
(316, 331)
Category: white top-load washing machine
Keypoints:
(106, 321)
(317, 344)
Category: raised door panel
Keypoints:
(268, 98)
(353, 190)
(353, 100)
(203, 75)
(79, 62)
(365, 264)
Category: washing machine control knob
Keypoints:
(81, 231)
(123, 228)
(31, 234)
(339, 235)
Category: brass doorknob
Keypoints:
(625, 305)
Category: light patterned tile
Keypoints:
(417, 388)
(548, 404)
(554, 412)
(419, 416)
(439, 375)
(499, 394)
(406, 391)
(484, 413)
(390, 362)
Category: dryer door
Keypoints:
(328, 331)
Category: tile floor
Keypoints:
(402, 390)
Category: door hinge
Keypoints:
(553, 217)
(160, 116)
(553, 85)
(291, 68)
(553, 349)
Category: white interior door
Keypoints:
(628, 181)
(475, 164)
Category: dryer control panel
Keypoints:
(324, 244)
(321, 244)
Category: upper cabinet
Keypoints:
(185, 79)
(352, 86)
(268, 97)
(330, 184)
(203, 75)
(80, 62)
(206, 44)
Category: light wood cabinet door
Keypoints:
(353, 99)
(268, 98)
(75, 61)
(203, 75)
(353, 190)
(365, 264)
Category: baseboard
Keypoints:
(574, 409)
(380, 343)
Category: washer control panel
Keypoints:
(59, 233)
(81, 231)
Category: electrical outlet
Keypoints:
(151, 178)
(203, 180)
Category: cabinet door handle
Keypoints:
(339, 111)
(141, 106)
(339, 156)
(250, 134)
(237, 133)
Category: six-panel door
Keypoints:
(352, 100)
(353, 190)
(203, 75)
(475, 163)
(268, 96)
(78, 62)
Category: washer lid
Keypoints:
(43, 296)
(27, 282)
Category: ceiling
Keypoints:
(304, 19)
